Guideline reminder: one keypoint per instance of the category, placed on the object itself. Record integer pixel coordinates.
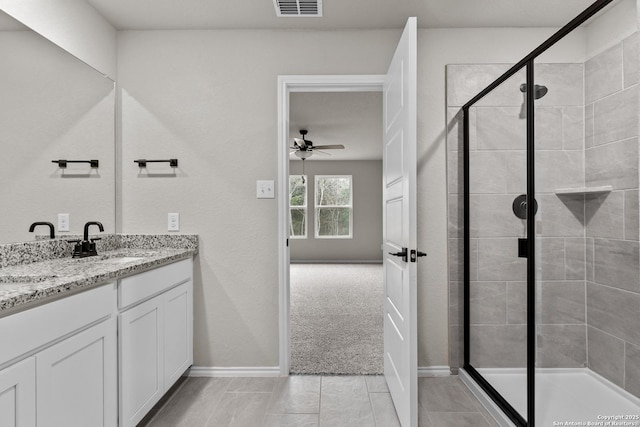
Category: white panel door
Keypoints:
(399, 224)
(18, 394)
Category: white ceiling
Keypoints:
(353, 119)
(338, 14)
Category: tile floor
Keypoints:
(306, 401)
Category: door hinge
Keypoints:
(415, 254)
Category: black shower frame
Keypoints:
(528, 63)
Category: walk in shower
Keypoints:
(544, 226)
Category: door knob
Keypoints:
(403, 254)
(415, 254)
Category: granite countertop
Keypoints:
(22, 286)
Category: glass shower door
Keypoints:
(497, 270)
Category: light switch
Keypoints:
(173, 222)
(265, 190)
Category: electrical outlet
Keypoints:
(173, 223)
(63, 222)
(265, 190)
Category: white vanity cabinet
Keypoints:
(155, 340)
(18, 394)
(60, 369)
(73, 376)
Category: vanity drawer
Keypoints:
(137, 288)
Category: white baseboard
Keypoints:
(274, 371)
(336, 261)
(241, 371)
(434, 371)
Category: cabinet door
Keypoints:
(141, 375)
(178, 332)
(77, 380)
(18, 394)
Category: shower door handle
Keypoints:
(523, 248)
(403, 254)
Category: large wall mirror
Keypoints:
(52, 106)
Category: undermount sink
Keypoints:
(120, 260)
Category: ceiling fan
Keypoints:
(304, 148)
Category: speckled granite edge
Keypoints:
(42, 250)
(68, 274)
(158, 241)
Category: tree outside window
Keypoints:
(298, 206)
(334, 205)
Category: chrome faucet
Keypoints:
(52, 233)
(86, 247)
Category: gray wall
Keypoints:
(367, 213)
(209, 98)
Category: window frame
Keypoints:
(304, 208)
(316, 207)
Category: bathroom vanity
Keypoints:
(58, 362)
(155, 339)
(94, 342)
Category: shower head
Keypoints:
(538, 90)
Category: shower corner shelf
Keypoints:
(583, 191)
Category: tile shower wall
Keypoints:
(498, 176)
(612, 252)
(560, 292)
(588, 293)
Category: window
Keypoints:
(298, 206)
(334, 205)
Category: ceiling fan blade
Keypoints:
(321, 152)
(300, 142)
(329, 147)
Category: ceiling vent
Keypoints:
(301, 8)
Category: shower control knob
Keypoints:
(519, 206)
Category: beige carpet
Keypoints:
(336, 319)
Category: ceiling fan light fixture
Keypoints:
(303, 154)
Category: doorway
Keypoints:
(287, 86)
(336, 282)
